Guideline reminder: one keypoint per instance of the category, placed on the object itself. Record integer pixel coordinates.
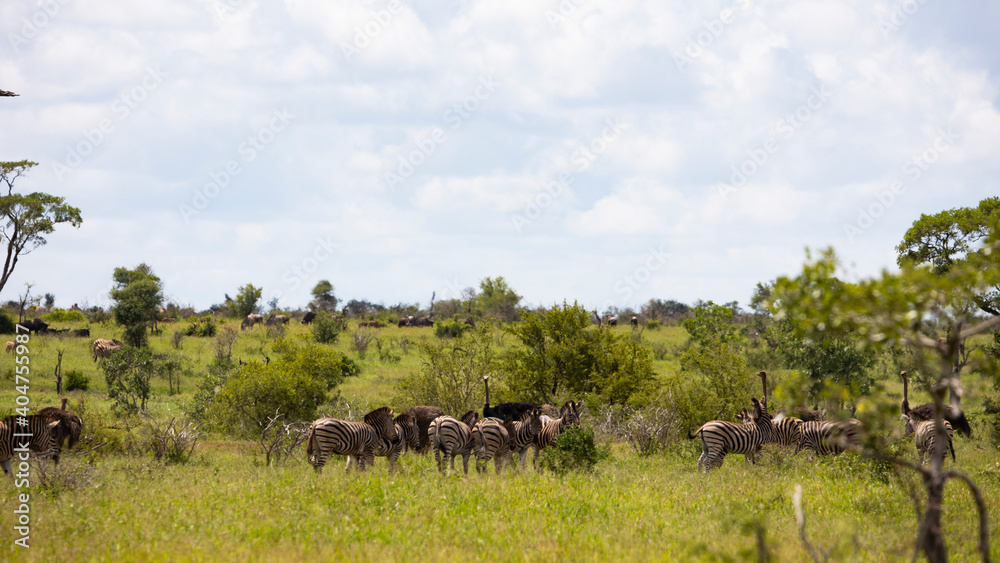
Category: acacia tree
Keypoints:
(897, 308)
(28, 218)
(323, 297)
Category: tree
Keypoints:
(323, 297)
(138, 295)
(950, 237)
(661, 310)
(28, 218)
(246, 302)
(497, 299)
(50, 300)
(897, 309)
(560, 351)
(127, 373)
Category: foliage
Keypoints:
(451, 376)
(832, 360)
(247, 301)
(665, 311)
(64, 316)
(450, 328)
(77, 381)
(574, 450)
(362, 337)
(323, 297)
(712, 324)
(496, 299)
(950, 237)
(28, 218)
(138, 295)
(203, 326)
(327, 328)
(652, 324)
(561, 352)
(7, 324)
(127, 373)
(293, 384)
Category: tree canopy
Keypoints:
(28, 217)
(138, 295)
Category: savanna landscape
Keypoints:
(200, 450)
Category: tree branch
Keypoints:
(984, 525)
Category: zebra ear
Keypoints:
(53, 424)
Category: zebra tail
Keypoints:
(310, 440)
(696, 432)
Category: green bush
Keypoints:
(294, 384)
(202, 326)
(75, 380)
(64, 316)
(574, 450)
(450, 329)
(7, 324)
(652, 324)
(326, 328)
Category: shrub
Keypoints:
(202, 326)
(245, 398)
(362, 338)
(326, 329)
(7, 324)
(450, 329)
(652, 324)
(172, 442)
(574, 450)
(127, 372)
(76, 380)
(64, 316)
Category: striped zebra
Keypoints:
(102, 348)
(829, 437)
(787, 429)
(924, 435)
(490, 440)
(522, 432)
(37, 434)
(721, 437)
(569, 415)
(357, 440)
(406, 437)
(450, 438)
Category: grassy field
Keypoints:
(225, 504)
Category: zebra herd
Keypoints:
(822, 437)
(488, 438)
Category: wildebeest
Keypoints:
(612, 321)
(276, 319)
(406, 321)
(423, 415)
(250, 320)
(35, 325)
(81, 332)
(308, 318)
(423, 321)
(102, 348)
(10, 346)
(372, 324)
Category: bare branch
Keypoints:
(984, 525)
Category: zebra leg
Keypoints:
(465, 463)
(524, 457)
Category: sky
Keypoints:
(603, 152)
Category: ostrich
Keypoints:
(503, 410)
(926, 412)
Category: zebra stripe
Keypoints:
(450, 438)
(829, 437)
(569, 415)
(721, 437)
(14, 438)
(491, 441)
(357, 440)
(924, 435)
(522, 432)
(406, 437)
(788, 431)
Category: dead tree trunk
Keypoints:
(59, 388)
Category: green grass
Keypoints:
(224, 504)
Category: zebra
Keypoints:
(450, 438)
(569, 415)
(102, 348)
(490, 441)
(721, 437)
(357, 440)
(406, 437)
(829, 437)
(522, 432)
(15, 438)
(924, 434)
